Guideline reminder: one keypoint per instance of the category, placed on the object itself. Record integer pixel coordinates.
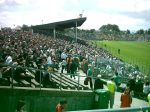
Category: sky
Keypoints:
(127, 14)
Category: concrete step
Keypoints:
(35, 83)
(63, 85)
(15, 83)
(81, 86)
(25, 83)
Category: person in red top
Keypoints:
(126, 98)
(61, 106)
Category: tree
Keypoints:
(128, 31)
(148, 31)
(109, 28)
(141, 31)
(92, 30)
(25, 27)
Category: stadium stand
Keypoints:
(31, 50)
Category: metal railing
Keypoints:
(11, 78)
(59, 82)
(13, 67)
(136, 109)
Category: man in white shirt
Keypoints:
(49, 60)
(63, 56)
(146, 88)
(8, 60)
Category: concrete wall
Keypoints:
(44, 100)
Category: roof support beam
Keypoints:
(76, 31)
(54, 33)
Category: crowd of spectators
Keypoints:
(42, 52)
(125, 37)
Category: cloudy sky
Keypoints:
(127, 14)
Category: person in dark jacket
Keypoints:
(131, 84)
(138, 88)
(98, 83)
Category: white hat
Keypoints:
(99, 76)
(15, 63)
(89, 65)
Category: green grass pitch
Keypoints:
(137, 53)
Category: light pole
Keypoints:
(42, 21)
(54, 33)
(76, 31)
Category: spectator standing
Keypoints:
(89, 76)
(131, 84)
(111, 88)
(69, 60)
(148, 98)
(138, 88)
(64, 55)
(126, 98)
(49, 60)
(85, 65)
(61, 106)
(146, 88)
(8, 59)
(72, 68)
(98, 83)
(117, 79)
(63, 65)
(118, 51)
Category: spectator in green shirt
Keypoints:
(89, 75)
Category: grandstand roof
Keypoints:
(61, 25)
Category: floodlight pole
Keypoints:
(54, 33)
(42, 21)
(76, 31)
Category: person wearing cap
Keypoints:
(61, 106)
(111, 88)
(98, 83)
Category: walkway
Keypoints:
(135, 102)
